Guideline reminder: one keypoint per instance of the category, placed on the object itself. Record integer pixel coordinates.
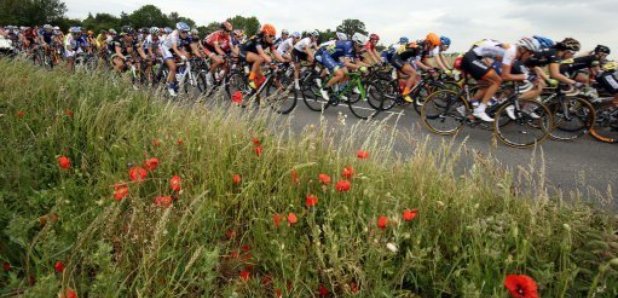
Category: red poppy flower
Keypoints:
(70, 293)
(21, 114)
(6, 266)
(295, 177)
(258, 150)
(121, 191)
(59, 266)
(256, 142)
(156, 142)
(521, 286)
(278, 293)
(230, 234)
(151, 164)
(64, 162)
(236, 179)
(163, 201)
(347, 172)
(311, 201)
(237, 97)
(323, 291)
(277, 219)
(362, 154)
(343, 186)
(324, 179)
(234, 254)
(245, 275)
(180, 142)
(245, 248)
(68, 113)
(267, 280)
(137, 174)
(292, 219)
(175, 183)
(409, 215)
(354, 287)
(382, 222)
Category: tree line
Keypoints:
(39, 12)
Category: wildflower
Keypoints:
(21, 114)
(245, 248)
(70, 293)
(245, 275)
(277, 219)
(278, 293)
(175, 183)
(409, 215)
(362, 154)
(292, 219)
(324, 179)
(256, 141)
(68, 113)
(382, 222)
(237, 97)
(59, 266)
(163, 201)
(354, 287)
(230, 234)
(137, 174)
(347, 172)
(64, 162)
(121, 191)
(311, 201)
(151, 164)
(180, 142)
(295, 178)
(343, 186)
(267, 280)
(258, 150)
(323, 291)
(156, 142)
(521, 286)
(236, 179)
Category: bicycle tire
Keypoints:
(540, 126)
(279, 98)
(582, 118)
(361, 107)
(605, 127)
(442, 106)
(311, 95)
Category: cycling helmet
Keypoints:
(374, 36)
(227, 26)
(610, 66)
(167, 30)
(194, 32)
(433, 39)
(285, 32)
(269, 29)
(75, 29)
(48, 27)
(127, 30)
(602, 49)
(404, 40)
(90, 32)
(56, 28)
(315, 33)
(569, 44)
(457, 64)
(296, 34)
(183, 27)
(545, 42)
(341, 36)
(445, 41)
(155, 31)
(359, 39)
(529, 44)
(112, 31)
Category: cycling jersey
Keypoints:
(175, 39)
(286, 46)
(120, 41)
(304, 43)
(488, 48)
(47, 37)
(151, 42)
(218, 37)
(609, 82)
(74, 45)
(30, 34)
(331, 52)
(543, 58)
(579, 63)
(257, 42)
(369, 46)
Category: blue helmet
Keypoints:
(182, 26)
(75, 29)
(403, 40)
(544, 41)
(445, 41)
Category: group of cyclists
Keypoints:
(534, 61)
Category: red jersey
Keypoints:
(219, 37)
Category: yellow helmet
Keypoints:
(610, 66)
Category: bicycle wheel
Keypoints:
(530, 126)
(421, 94)
(310, 92)
(360, 105)
(237, 87)
(382, 94)
(282, 97)
(200, 79)
(572, 118)
(605, 128)
(444, 112)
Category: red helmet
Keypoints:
(457, 64)
(374, 36)
(269, 29)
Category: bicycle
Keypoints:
(445, 112)
(573, 116)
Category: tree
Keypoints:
(101, 21)
(148, 16)
(212, 27)
(174, 18)
(31, 12)
(250, 25)
(351, 26)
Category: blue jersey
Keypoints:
(46, 36)
(339, 48)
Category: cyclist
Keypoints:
(217, 45)
(285, 34)
(608, 80)
(338, 56)
(472, 63)
(304, 50)
(75, 43)
(45, 38)
(584, 67)
(177, 44)
(90, 38)
(405, 58)
(123, 48)
(236, 40)
(255, 50)
(438, 55)
(286, 46)
(552, 58)
(372, 56)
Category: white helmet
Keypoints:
(359, 39)
(155, 31)
(341, 36)
(529, 44)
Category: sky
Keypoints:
(465, 22)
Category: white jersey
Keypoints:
(303, 44)
(150, 43)
(171, 39)
(493, 49)
(286, 46)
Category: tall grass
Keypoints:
(220, 238)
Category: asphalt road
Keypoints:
(583, 166)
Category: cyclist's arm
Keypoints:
(441, 62)
(119, 52)
(508, 76)
(262, 54)
(554, 73)
(195, 49)
(422, 64)
(140, 51)
(351, 64)
(218, 49)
